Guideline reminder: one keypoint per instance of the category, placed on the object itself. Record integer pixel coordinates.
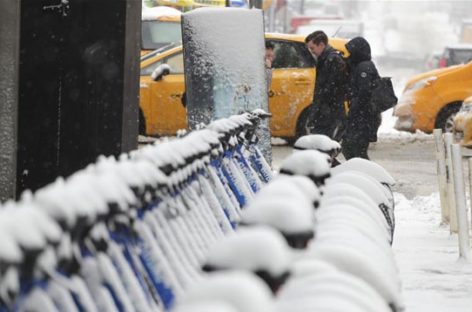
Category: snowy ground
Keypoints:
(427, 255)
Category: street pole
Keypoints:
(272, 16)
(461, 203)
(442, 176)
(448, 140)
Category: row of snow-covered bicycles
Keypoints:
(201, 223)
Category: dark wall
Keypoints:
(9, 46)
(79, 80)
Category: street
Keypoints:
(411, 163)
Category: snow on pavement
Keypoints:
(427, 255)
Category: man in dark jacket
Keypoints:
(327, 115)
(362, 121)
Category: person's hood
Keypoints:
(359, 50)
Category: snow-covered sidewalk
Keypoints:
(427, 255)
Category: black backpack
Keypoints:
(383, 95)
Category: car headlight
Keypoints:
(421, 84)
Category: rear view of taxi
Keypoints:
(432, 99)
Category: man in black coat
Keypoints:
(327, 110)
(362, 121)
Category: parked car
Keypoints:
(463, 122)
(455, 55)
(290, 94)
(208, 3)
(431, 100)
(160, 26)
(432, 60)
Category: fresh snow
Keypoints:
(368, 167)
(241, 250)
(241, 290)
(288, 215)
(308, 163)
(433, 278)
(318, 142)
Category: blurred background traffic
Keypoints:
(425, 46)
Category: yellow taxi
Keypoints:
(431, 100)
(291, 90)
(207, 3)
(182, 4)
(160, 26)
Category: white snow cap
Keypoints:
(254, 249)
(259, 112)
(366, 166)
(304, 184)
(333, 190)
(318, 142)
(288, 215)
(9, 249)
(29, 227)
(291, 186)
(349, 260)
(316, 288)
(369, 185)
(151, 14)
(304, 267)
(223, 125)
(242, 290)
(307, 163)
(210, 306)
(160, 70)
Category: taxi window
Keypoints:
(156, 34)
(175, 61)
(460, 57)
(291, 55)
(147, 71)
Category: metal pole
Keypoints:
(461, 203)
(272, 16)
(285, 16)
(448, 140)
(441, 172)
(470, 188)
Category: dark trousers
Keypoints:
(333, 129)
(355, 148)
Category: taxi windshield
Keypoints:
(156, 34)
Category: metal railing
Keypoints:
(129, 234)
(452, 188)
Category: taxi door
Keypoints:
(165, 113)
(292, 86)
